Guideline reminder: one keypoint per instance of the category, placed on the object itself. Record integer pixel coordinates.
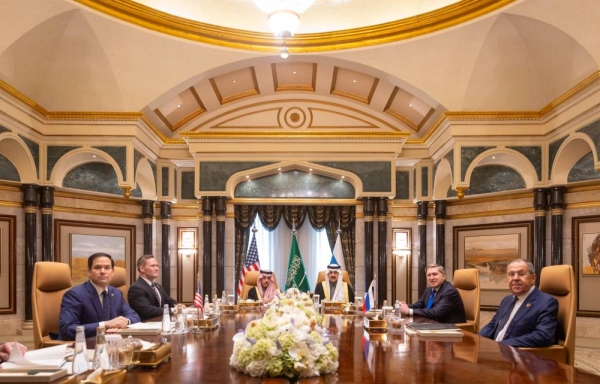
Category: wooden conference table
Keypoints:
(204, 358)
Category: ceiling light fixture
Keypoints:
(284, 17)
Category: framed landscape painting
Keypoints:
(75, 241)
(489, 248)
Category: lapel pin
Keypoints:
(528, 305)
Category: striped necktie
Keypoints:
(156, 293)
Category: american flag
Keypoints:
(251, 264)
(198, 295)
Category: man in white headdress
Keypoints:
(265, 289)
(333, 288)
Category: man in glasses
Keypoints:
(266, 289)
(527, 317)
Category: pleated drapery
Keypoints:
(329, 218)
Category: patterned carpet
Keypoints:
(588, 359)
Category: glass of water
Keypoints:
(230, 299)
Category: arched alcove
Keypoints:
(442, 180)
(144, 178)
(16, 151)
(508, 158)
(570, 152)
(81, 156)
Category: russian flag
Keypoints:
(370, 297)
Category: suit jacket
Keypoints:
(534, 325)
(143, 300)
(447, 305)
(81, 306)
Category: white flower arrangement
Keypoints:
(287, 341)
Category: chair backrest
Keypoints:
(322, 274)
(251, 281)
(119, 281)
(50, 282)
(466, 282)
(559, 281)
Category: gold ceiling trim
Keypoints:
(262, 135)
(311, 126)
(276, 109)
(508, 116)
(149, 18)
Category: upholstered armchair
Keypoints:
(466, 282)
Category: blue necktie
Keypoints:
(105, 305)
(431, 297)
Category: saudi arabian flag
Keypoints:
(296, 274)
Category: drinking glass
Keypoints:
(358, 303)
(230, 299)
(316, 300)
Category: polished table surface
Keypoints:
(204, 358)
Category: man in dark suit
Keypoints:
(527, 317)
(145, 296)
(440, 300)
(95, 303)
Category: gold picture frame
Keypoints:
(489, 248)
(585, 256)
(74, 241)
(8, 265)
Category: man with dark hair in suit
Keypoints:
(95, 303)
(440, 300)
(265, 289)
(145, 296)
(527, 317)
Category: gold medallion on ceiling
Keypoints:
(294, 118)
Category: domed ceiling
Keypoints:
(381, 66)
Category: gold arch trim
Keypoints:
(149, 18)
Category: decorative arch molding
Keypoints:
(81, 156)
(442, 180)
(570, 152)
(285, 166)
(15, 149)
(506, 157)
(144, 177)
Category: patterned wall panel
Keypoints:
(467, 155)
(165, 181)
(494, 178)
(295, 184)
(534, 155)
(8, 171)
(96, 177)
(402, 185)
(584, 170)
(552, 151)
(187, 185)
(593, 131)
(34, 148)
(119, 155)
(376, 176)
(55, 152)
(214, 174)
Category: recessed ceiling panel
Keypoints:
(180, 109)
(408, 108)
(354, 85)
(294, 76)
(235, 85)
